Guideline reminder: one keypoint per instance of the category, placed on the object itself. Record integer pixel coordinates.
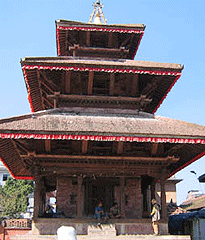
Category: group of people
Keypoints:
(114, 213)
(100, 214)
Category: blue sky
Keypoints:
(175, 33)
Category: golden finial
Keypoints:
(98, 13)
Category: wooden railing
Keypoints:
(18, 223)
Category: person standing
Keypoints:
(155, 214)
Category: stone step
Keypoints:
(102, 229)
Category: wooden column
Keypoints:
(48, 145)
(112, 83)
(135, 85)
(67, 82)
(80, 199)
(153, 189)
(120, 148)
(88, 38)
(36, 193)
(122, 196)
(55, 100)
(84, 146)
(110, 37)
(163, 199)
(90, 82)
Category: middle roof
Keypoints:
(82, 82)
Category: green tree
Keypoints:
(14, 197)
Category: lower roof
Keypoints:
(186, 139)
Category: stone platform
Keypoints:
(49, 226)
(89, 229)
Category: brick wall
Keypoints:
(133, 198)
(66, 199)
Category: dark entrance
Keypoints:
(96, 190)
(146, 194)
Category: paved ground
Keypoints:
(135, 237)
(101, 237)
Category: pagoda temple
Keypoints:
(92, 134)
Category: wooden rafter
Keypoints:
(48, 81)
(174, 148)
(46, 101)
(21, 145)
(149, 88)
(17, 150)
(47, 87)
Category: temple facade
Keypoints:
(92, 134)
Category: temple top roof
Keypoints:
(104, 27)
(101, 40)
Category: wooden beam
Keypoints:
(117, 171)
(90, 82)
(48, 145)
(67, 82)
(120, 148)
(154, 148)
(112, 84)
(84, 146)
(118, 158)
(135, 85)
(101, 98)
(77, 48)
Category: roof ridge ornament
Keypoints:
(98, 13)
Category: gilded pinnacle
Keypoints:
(98, 14)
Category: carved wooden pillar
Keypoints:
(163, 198)
(80, 198)
(122, 196)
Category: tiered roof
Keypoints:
(93, 108)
